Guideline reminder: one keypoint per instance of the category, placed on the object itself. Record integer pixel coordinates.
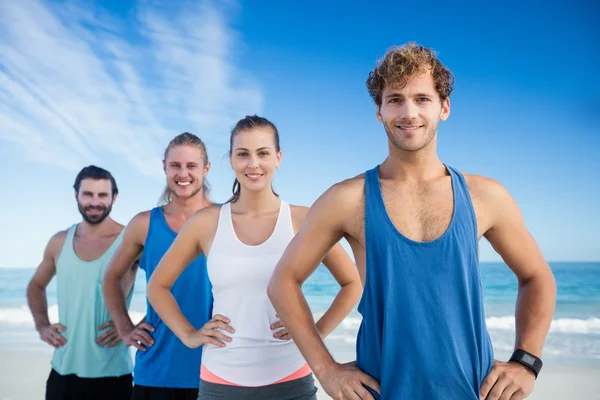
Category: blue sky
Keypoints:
(112, 82)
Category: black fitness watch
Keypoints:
(528, 360)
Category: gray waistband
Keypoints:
(298, 389)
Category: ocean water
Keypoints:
(574, 334)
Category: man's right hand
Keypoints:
(140, 337)
(210, 334)
(51, 335)
(345, 382)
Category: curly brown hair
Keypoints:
(403, 62)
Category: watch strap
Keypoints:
(528, 360)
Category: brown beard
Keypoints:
(97, 219)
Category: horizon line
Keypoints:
(480, 262)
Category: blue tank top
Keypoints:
(169, 363)
(423, 333)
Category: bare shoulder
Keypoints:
(201, 227)
(140, 220)
(137, 229)
(59, 237)
(208, 212)
(347, 194)
(355, 183)
(52, 251)
(56, 243)
(205, 217)
(486, 190)
(493, 204)
(340, 208)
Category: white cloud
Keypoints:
(79, 84)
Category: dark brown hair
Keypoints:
(245, 124)
(96, 173)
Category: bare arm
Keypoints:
(182, 252)
(36, 292)
(121, 272)
(537, 289)
(536, 299)
(323, 227)
(186, 247)
(345, 273)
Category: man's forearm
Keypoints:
(114, 298)
(535, 307)
(341, 306)
(38, 304)
(291, 305)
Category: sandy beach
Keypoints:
(23, 376)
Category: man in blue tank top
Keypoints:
(414, 225)
(165, 368)
(90, 361)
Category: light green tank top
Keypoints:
(81, 309)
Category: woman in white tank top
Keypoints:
(247, 353)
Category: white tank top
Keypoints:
(239, 274)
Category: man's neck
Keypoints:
(184, 208)
(414, 166)
(95, 230)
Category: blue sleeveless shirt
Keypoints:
(423, 333)
(169, 363)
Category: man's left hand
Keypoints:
(109, 338)
(507, 381)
